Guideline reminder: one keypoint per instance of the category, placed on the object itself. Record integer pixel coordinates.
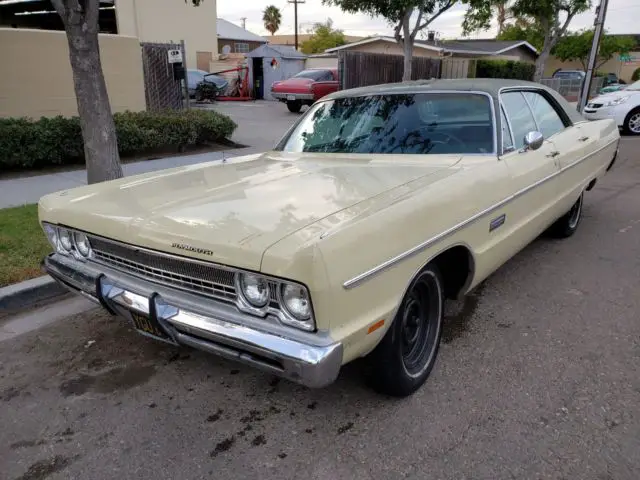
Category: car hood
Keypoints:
(606, 97)
(232, 212)
(294, 82)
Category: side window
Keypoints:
(520, 115)
(326, 77)
(549, 122)
(507, 140)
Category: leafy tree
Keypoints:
(552, 16)
(272, 19)
(80, 20)
(323, 36)
(474, 19)
(408, 18)
(527, 31)
(577, 46)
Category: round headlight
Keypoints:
(65, 239)
(52, 235)
(255, 289)
(296, 301)
(82, 244)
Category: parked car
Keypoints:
(622, 106)
(306, 87)
(347, 238)
(196, 77)
(569, 74)
(614, 87)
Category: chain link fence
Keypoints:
(570, 88)
(161, 90)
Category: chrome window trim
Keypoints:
(513, 144)
(358, 279)
(533, 114)
(410, 91)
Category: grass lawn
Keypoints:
(22, 244)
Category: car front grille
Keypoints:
(185, 274)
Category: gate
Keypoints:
(161, 90)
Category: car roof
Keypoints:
(489, 86)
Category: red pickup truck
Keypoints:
(306, 87)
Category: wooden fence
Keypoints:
(457, 68)
(358, 69)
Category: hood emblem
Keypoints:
(190, 248)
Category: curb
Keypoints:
(23, 295)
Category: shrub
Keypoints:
(504, 69)
(28, 143)
(636, 75)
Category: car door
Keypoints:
(533, 189)
(325, 85)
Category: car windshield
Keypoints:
(634, 86)
(312, 74)
(423, 123)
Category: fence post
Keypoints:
(187, 100)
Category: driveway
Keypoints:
(261, 124)
(537, 379)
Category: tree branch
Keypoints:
(396, 32)
(60, 8)
(417, 27)
(437, 14)
(92, 13)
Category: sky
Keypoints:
(620, 18)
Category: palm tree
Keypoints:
(272, 18)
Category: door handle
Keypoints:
(553, 154)
(583, 139)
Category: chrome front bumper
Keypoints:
(310, 359)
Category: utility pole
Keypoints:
(244, 22)
(597, 35)
(295, 16)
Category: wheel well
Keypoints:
(456, 266)
(631, 112)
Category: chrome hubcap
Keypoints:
(574, 214)
(634, 123)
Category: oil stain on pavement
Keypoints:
(108, 382)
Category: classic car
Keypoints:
(623, 107)
(305, 87)
(346, 239)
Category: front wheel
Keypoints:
(294, 106)
(632, 122)
(567, 225)
(403, 360)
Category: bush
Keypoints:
(636, 75)
(46, 142)
(504, 69)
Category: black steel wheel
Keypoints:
(294, 106)
(404, 358)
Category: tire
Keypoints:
(567, 225)
(404, 358)
(294, 106)
(632, 122)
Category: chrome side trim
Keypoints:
(358, 279)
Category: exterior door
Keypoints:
(533, 177)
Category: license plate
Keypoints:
(291, 97)
(147, 325)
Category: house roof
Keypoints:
(231, 31)
(477, 47)
(276, 51)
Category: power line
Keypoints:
(295, 17)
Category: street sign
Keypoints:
(175, 56)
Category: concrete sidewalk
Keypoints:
(21, 191)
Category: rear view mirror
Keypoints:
(533, 141)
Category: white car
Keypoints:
(623, 106)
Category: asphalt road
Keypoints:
(538, 378)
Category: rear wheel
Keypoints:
(403, 360)
(632, 122)
(294, 106)
(567, 225)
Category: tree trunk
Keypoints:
(541, 63)
(96, 120)
(407, 46)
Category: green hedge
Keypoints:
(504, 69)
(46, 142)
(636, 75)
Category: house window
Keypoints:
(241, 48)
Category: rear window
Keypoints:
(424, 123)
(316, 75)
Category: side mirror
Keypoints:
(533, 141)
